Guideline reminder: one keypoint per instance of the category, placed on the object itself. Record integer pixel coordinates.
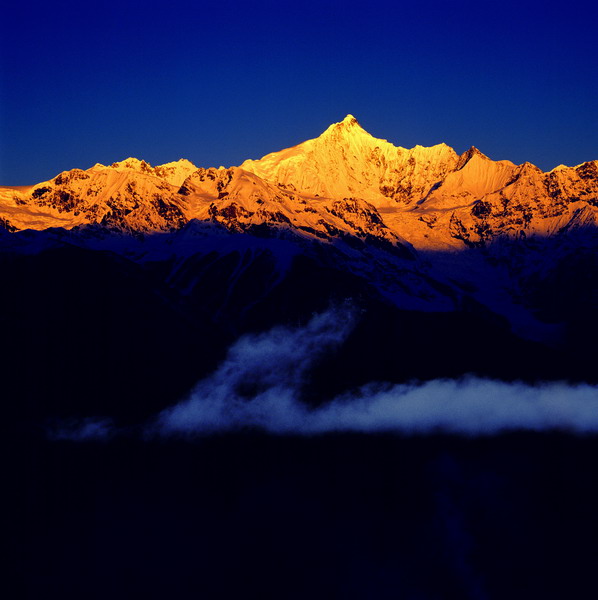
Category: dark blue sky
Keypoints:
(218, 82)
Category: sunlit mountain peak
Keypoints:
(349, 121)
(349, 126)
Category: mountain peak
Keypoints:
(349, 127)
(473, 151)
(348, 123)
(133, 164)
(468, 155)
(349, 120)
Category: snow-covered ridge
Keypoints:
(344, 182)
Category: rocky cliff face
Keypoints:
(487, 200)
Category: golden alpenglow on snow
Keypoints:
(343, 182)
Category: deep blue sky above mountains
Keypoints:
(219, 82)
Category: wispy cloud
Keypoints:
(259, 382)
(258, 386)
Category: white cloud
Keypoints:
(258, 386)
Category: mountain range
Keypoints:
(343, 182)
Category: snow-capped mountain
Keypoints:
(345, 182)
(346, 161)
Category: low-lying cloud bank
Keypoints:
(258, 387)
(469, 406)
